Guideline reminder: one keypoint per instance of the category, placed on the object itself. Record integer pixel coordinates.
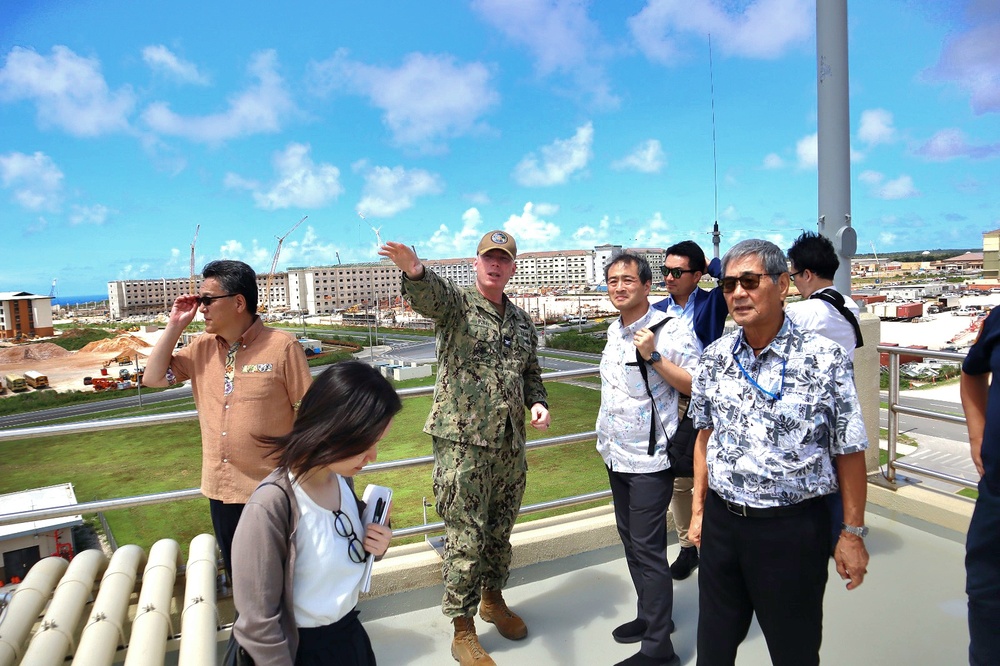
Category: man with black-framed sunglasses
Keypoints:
(781, 429)
(247, 380)
(704, 312)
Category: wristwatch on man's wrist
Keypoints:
(654, 358)
(855, 530)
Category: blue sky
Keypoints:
(569, 123)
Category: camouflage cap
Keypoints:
(498, 240)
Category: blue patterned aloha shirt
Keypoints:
(780, 420)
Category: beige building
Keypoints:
(322, 290)
(24, 315)
(127, 298)
(991, 254)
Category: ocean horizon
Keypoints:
(78, 300)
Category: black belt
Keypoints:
(745, 511)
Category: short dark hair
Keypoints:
(235, 277)
(695, 255)
(816, 253)
(641, 265)
(344, 412)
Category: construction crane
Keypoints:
(274, 262)
(191, 286)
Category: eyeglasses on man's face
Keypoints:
(791, 276)
(749, 281)
(208, 300)
(345, 528)
(675, 273)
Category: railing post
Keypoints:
(893, 419)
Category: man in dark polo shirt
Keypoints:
(247, 381)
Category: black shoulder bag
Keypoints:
(836, 299)
(680, 447)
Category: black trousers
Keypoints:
(773, 567)
(641, 502)
(343, 643)
(225, 518)
(982, 578)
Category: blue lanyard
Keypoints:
(781, 384)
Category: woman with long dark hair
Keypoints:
(300, 548)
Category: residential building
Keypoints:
(128, 298)
(322, 290)
(25, 315)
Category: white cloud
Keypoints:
(596, 235)
(69, 91)
(544, 209)
(478, 198)
(560, 160)
(96, 214)
(260, 108)
(309, 251)
(35, 180)
(664, 30)
(773, 161)
(462, 243)
(301, 183)
(647, 157)
(531, 231)
(950, 143)
(161, 59)
(880, 188)
(256, 255)
(426, 101)
(388, 191)
(561, 38)
(807, 152)
(876, 127)
(886, 238)
(971, 60)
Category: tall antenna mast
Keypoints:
(716, 236)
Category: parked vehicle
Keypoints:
(311, 347)
(36, 380)
(15, 383)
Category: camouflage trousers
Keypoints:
(477, 492)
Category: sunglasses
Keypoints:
(208, 300)
(345, 528)
(749, 281)
(675, 273)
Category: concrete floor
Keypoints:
(911, 609)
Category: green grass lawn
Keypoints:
(140, 461)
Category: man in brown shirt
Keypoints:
(247, 381)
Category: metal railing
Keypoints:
(895, 409)
(195, 493)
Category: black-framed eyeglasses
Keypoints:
(749, 281)
(675, 273)
(208, 300)
(791, 276)
(345, 528)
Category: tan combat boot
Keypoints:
(465, 647)
(494, 609)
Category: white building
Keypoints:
(128, 298)
(23, 544)
(25, 315)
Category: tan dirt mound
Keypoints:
(122, 343)
(39, 351)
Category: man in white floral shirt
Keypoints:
(634, 425)
(781, 428)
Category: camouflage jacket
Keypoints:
(487, 367)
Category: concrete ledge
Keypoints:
(912, 500)
(415, 566)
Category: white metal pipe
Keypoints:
(54, 640)
(104, 632)
(26, 605)
(200, 617)
(151, 626)
(834, 135)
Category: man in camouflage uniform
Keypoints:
(488, 373)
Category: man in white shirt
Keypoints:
(638, 416)
(814, 262)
